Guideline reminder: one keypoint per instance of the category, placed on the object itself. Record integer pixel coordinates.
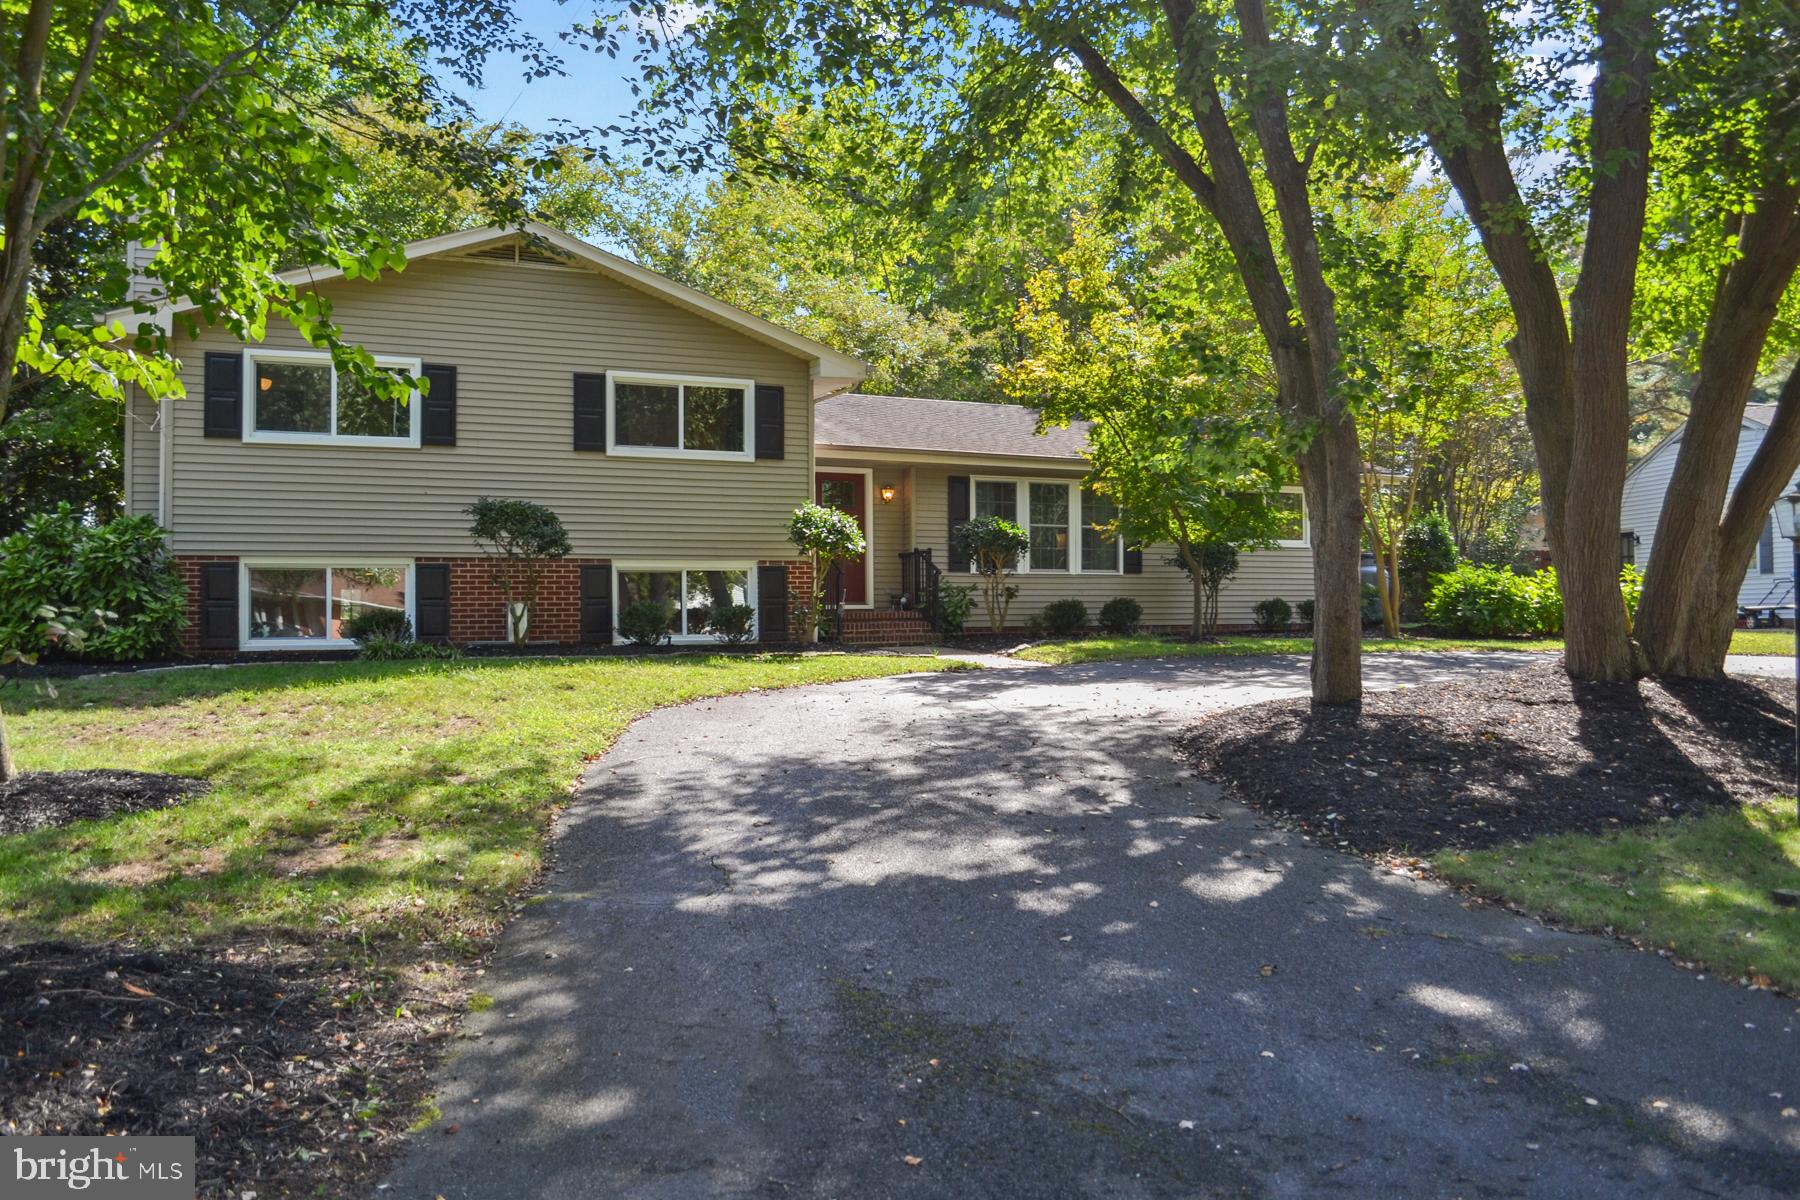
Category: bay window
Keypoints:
(678, 416)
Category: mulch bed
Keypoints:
(38, 799)
(1503, 757)
(295, 1078)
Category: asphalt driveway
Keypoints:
(981, 935)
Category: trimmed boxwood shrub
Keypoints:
(1121, 615)
(646, 623)
(379, 624)
(732, 623)
(122, 569)
(1477, 601)
(1062, 618)
(1273, 615)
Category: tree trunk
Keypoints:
(1691, 586)
(7, 768)
(1329, 471)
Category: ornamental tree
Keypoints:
(830, 537)
(518, 537)
(993, 546)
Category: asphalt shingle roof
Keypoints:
(945, 426)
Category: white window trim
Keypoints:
(312, 563)
(681, 383)
(313, 358)
(1022, 505)
(1304, 541)
(687, 639)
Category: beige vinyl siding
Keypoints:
(142, 456)
(516, 335)
(1163, 590)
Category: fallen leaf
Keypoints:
(912, 1160)
(135, 990)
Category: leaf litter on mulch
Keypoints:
(1503, 757)
(295, 1077)
(40, 799)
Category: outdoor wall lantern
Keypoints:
(887, 493)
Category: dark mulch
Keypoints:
(1504, 757)
(37, 799)
(295, 1079)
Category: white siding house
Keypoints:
(1770, 580)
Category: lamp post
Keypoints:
(1787, 519)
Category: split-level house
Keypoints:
(672, 433)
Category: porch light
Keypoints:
(1787, 514)
(887, 493)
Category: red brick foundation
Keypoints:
(799, 577)
(478, 606)
(189, 566)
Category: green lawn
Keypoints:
(1763, 641)
(394, 803)
(1698, 888)
(1096, 649)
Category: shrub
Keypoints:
(1063, 618)
(646, 623)
(1218, 563)
(733, 624)
(993, 546)
(380, 648)
(828, 536)
(518, 537)
(1304, 610)
(1121, 615)
(1371, 605)
(955, 601)
(1631, 582)
(121, 569)
(383, 624)
(1273, 615)
(1427, 550)
(1477, 601)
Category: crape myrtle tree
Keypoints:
(927, 97)
(1553, 122)
(216, 133)
(1184, 440)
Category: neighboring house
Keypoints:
(1768, 584)
(672, 433)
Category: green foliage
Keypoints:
(733, 624)
(828, 536)
(389, 624)
(1121, 615)
(378, 647)
(1427, 550)
(1477, 601)
(1631, 584)
(1370, 605)
(518, 537)
(121, 568)
(1209, 566)
(646, 623)
(993, 546)
(1063, 618)
(1304, 611)
(955, 602)
(1273, 615)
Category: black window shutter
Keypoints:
(596, 605)
(772, 603)
(431, 602)
(771, 421)
(224, 400)
(1134, 560)
(437, 423)
(1765, 548)
(219, 606)
(590, 412)
(959, 515)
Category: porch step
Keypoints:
(884, 627)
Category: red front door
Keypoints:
(848, 493)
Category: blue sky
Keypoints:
(593, 92)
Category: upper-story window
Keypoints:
(299, 396)
(678, 416)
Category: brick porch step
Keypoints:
(884, 627)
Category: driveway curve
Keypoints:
(983, 935)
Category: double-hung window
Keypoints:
(300, 396)
(679, 416)
(290, 604)
(687, 596)
(1063, 522)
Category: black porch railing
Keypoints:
(921, 585)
